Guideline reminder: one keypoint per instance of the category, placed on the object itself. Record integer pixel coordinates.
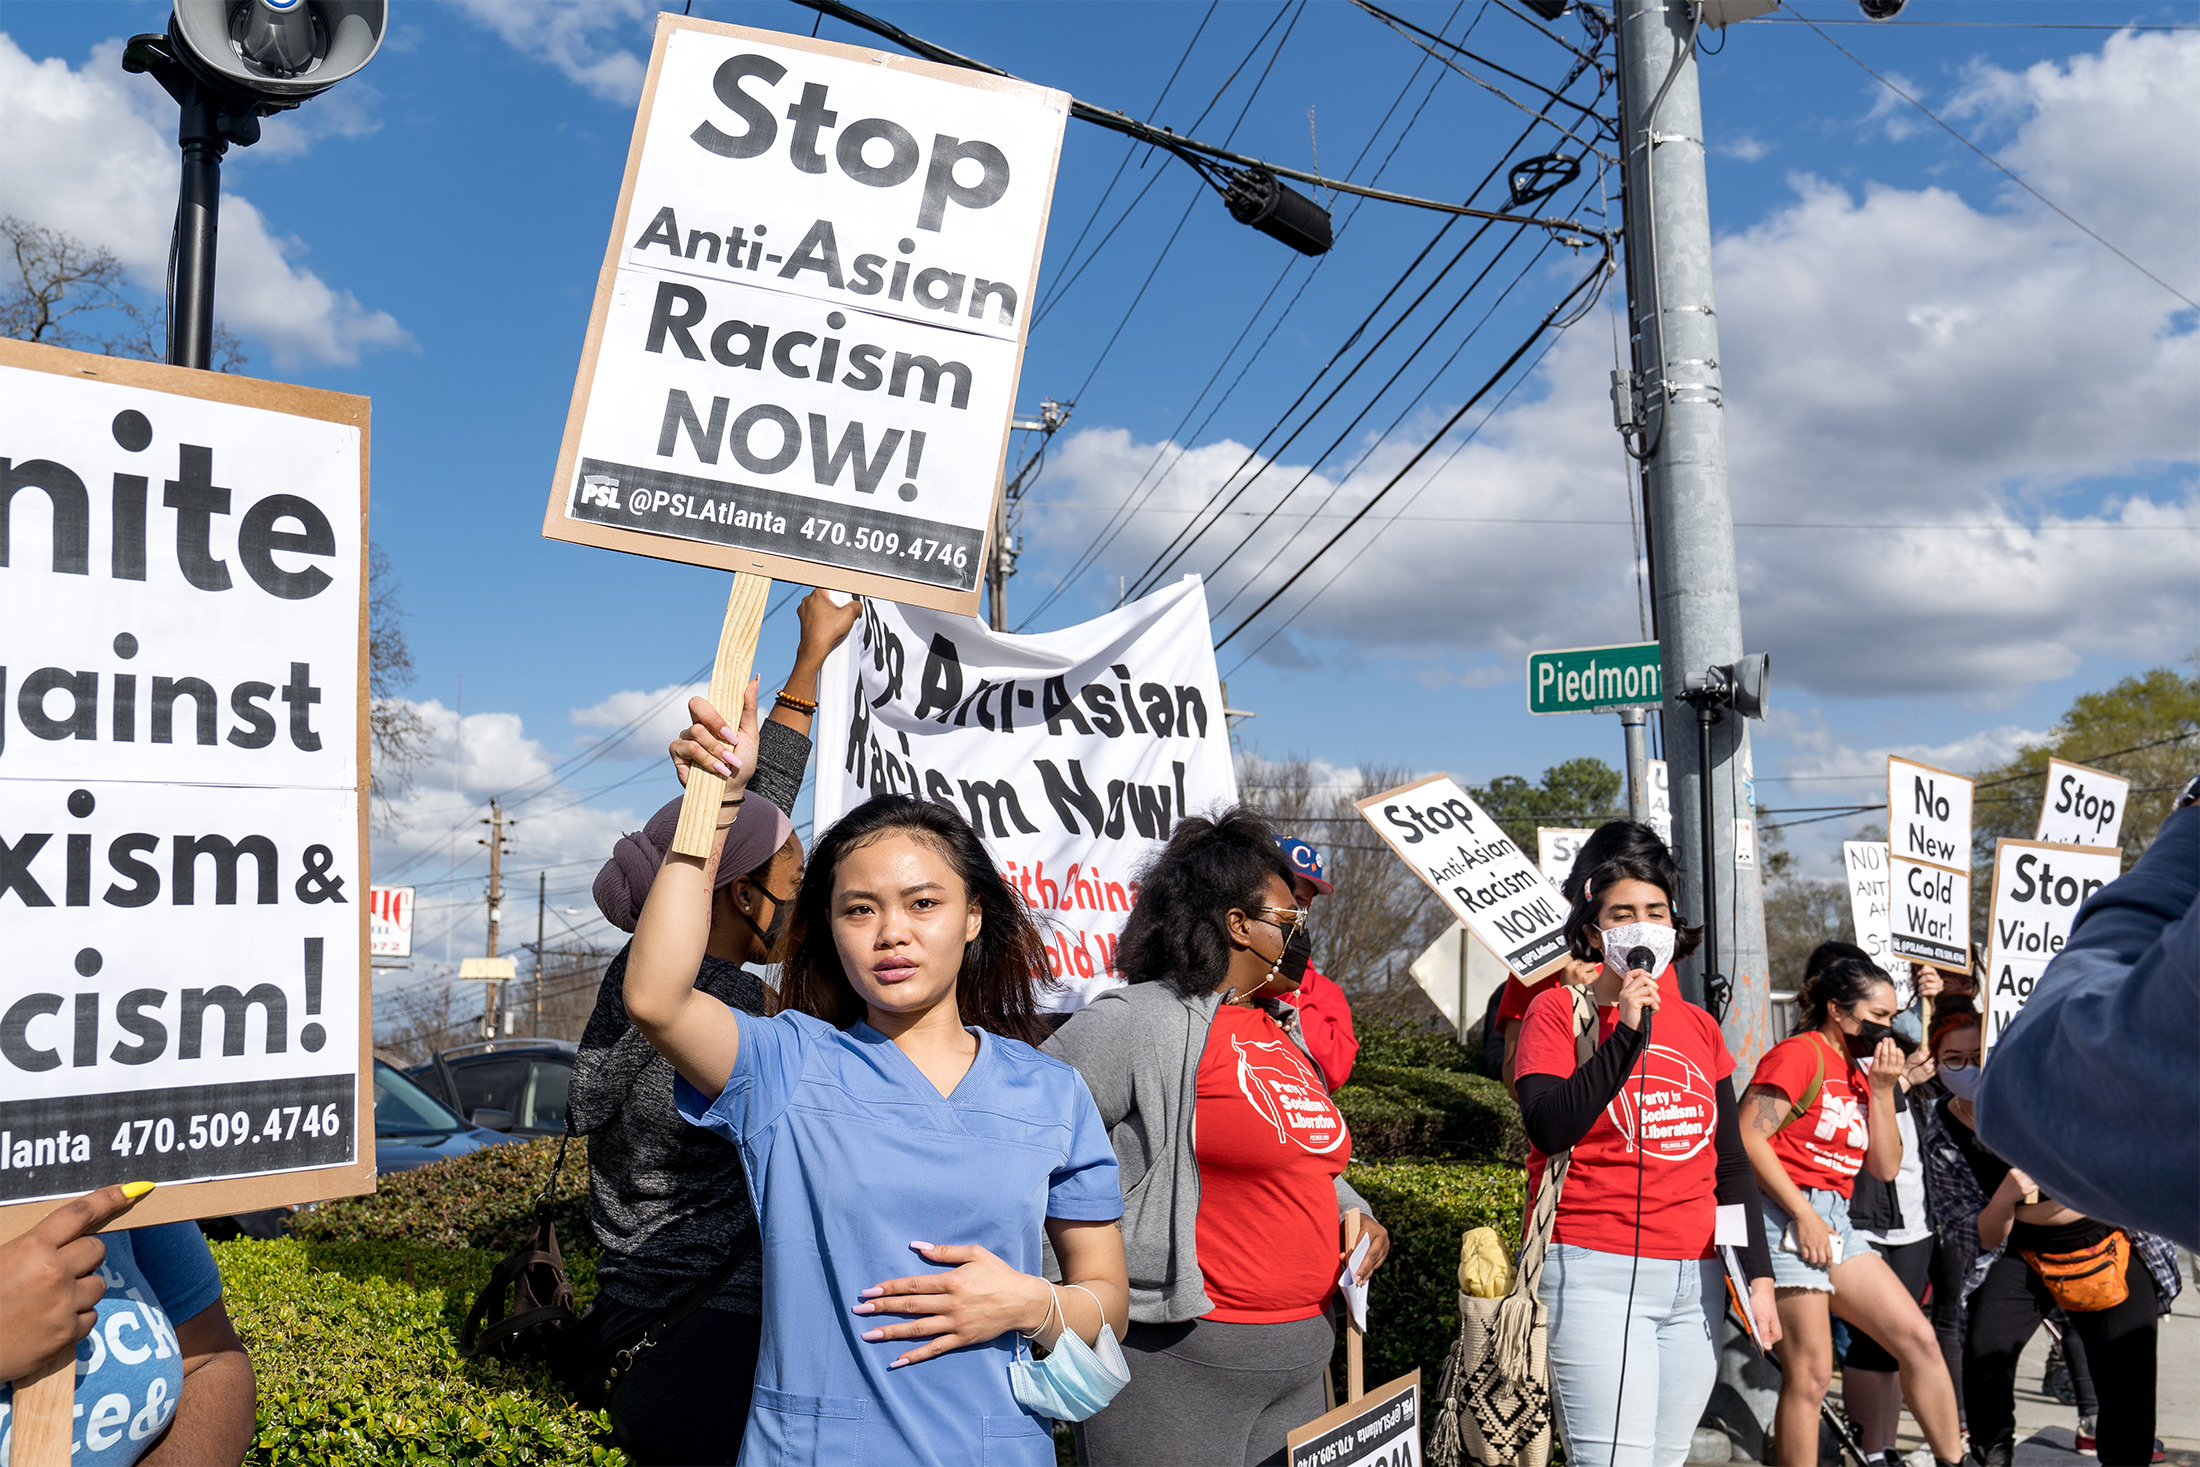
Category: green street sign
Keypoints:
(1595, 679)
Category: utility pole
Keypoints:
(1686, 502)
(542, 900)
(1689, 519)
(1007, 544)
(492, 1012)
(1632, 723)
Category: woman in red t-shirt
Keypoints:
(1658, 1175)
(1812, 1120)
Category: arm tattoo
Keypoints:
(1764, 1110)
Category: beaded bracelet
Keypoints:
(786, 699)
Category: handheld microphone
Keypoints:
(1639, 960)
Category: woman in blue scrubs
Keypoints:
(895, 1114)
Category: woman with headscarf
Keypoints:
(680, 1265)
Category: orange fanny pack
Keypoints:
(2088, 1280)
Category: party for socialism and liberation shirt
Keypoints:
(129, 1369)
(1824, 1147)
(1660, 1128)
(1270, 1146)
(852, 1155)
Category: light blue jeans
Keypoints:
(1672, 1359)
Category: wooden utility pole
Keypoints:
(492, 1012)
(542, 898)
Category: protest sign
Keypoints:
(1928, 814)
(1555, 851)
(390, 921)
(1865, 862)
(2038, 888)
(2083, 807)
(1929, 914)
(1659, 804)
(803, 353)
(1073, 753)
(1452, 844)
(1380, 1429)
(182, 834)
(1461, 993)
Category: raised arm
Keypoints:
(824, 627)
(1883, 1149)
(697, 1033)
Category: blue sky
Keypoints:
(2006, 409)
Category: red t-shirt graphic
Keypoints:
(1824, 1147)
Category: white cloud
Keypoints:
(641, 724)
(1897, 119)
(1895, 357)
(1745, 146)
(583, 39)
(92, 152)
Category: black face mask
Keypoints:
(1865, 1040)
(1290, 964)
(768, 935)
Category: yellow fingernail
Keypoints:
(135, 1190)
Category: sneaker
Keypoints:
(2087, 1445)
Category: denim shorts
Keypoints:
(1789, 1271)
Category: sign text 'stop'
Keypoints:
(1595, 679)
(2083, 807)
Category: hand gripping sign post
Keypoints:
(183, 624)
(2083, 807)
(1928, 867)
(2038, 888)
(1482, 876)
(803, 355)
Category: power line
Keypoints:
(1999, 166)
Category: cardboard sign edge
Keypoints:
(555, 524)
(187, 1201)
(1347, 1410)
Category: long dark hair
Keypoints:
(1847, 981)
(1177, 934)
(1004, 968)
(1617, 840)
(1583, 935)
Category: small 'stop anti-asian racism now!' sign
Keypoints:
(803, 355)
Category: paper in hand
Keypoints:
(1355, 1292)
(1737, 1288)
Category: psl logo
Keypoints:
(600, 489)
(1836, 1111)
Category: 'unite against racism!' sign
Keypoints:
(803, 355)
(182, 741)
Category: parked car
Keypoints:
(515, 1085)
(413, 1128)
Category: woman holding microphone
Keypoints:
(1812, 1120)
(1658, 1175)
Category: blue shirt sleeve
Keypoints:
(176, 1263)
(765, 1072)
(1085, 1187)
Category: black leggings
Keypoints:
(2119, 1344)
(686, 1400)
(1911, 1263)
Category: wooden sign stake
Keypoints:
(729, 680)
(45, 1414)
(1355, 1374)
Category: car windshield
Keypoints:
(402, 1108)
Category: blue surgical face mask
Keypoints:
(1961, 1080)
(1075, 1381)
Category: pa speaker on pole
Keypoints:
(276, 53)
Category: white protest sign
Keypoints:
(1928, 814)
(2038, 888)
(390, 921)
(182, 740)
(1073, 753)
(1437, 973)
(1659, 801)
(1555, 851)
(1452, 844)
(1380, 1429)
(2083, 807)
(1865, 863)
(803, 354)
(1929, 914)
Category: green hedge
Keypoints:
(482, 1200)
(1399, 1044)
(1413, 1303)
(1401, 1112)
(355, 1346)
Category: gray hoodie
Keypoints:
(1139, 1049)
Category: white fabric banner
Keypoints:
(1074, 753)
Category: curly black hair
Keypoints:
(1585, 939)
(1004, 968)
(1176, 934)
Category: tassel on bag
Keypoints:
(1494, 1396)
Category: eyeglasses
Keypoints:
(1297, 915)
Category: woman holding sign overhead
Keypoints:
(1233, 1155)
(894, 1114)
(1632, 1281)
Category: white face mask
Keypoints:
(1656, 936)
